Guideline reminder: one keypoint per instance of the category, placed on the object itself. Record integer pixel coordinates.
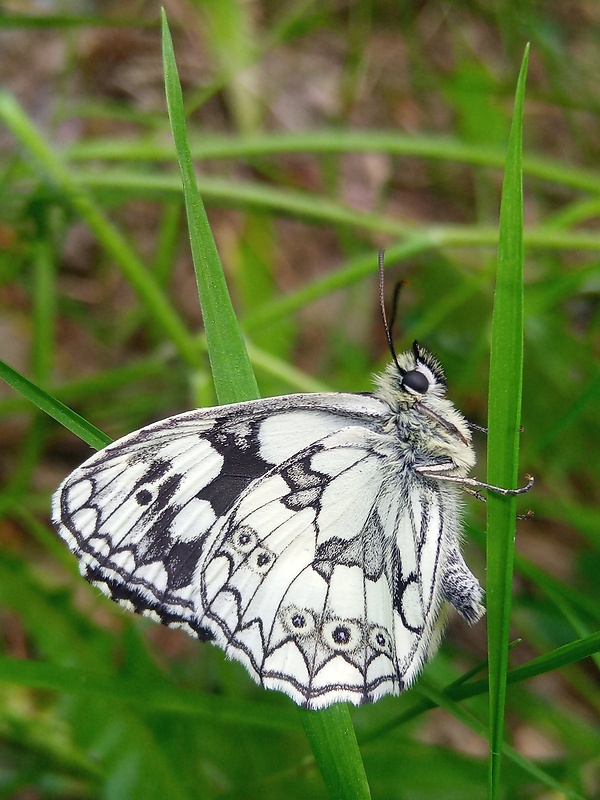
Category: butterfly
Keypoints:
(315, 538)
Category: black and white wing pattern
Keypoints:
(309, 536)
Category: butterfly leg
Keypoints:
(436, 471)
(527, 515)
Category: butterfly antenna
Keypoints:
(389, 328)
(397, 290)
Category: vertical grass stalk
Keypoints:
(330, 731)
(504, 415)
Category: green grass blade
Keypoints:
(251, 194)
(232, 372)
(54, 408)
(504, 414)
(562, 656)
(330, 731)
(469, 720)
(336, 751)
(269, 143)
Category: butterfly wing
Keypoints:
(291, 531)
(327, 577)
(138, 513)
(287, 580)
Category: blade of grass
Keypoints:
(48, 21)
(335, 748)
(504, 414)
(436, 148)
(232, 372)
(61, 413)
(330, 731)
(563, 656)
(232, 36)
(82, 388)
(469, 720)
(249, 194)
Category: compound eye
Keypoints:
(416, 381)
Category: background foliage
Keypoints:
(321, 131)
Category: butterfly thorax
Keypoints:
(423, 419)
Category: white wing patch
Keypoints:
(292, 532)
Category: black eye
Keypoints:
(416, 381)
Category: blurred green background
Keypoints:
(322, 131)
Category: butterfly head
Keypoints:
(421, 374)
(413, 377)
(415, 382)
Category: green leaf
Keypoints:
(232, 372)
(469, 720)
(61, 413)
(504, 415)
(330, 731)
(336, 751)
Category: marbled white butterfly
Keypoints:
(314, 537)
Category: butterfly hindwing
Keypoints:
(279, 594)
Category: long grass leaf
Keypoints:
(336, 751)
(504, 414)
(330, 731)
(54, 408)
(232, 372)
